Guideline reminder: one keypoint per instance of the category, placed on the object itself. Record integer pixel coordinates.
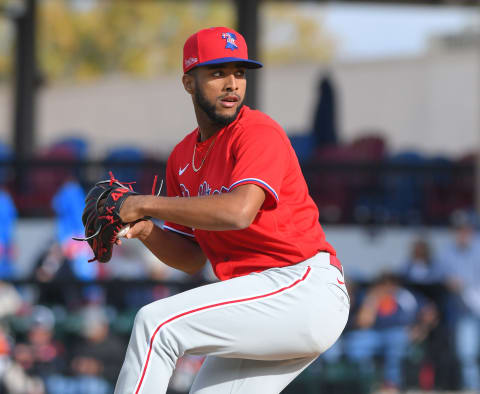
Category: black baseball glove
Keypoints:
(101, 216)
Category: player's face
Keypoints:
(220, 90)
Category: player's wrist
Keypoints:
(131, 209)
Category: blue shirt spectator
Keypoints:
(68, 204)
(421, 267)
(381, 326)
(8, 218)
(461, 260)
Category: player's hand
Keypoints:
(140, 229)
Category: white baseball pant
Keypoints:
(259, 331)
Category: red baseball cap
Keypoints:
(216, 45)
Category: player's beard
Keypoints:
(209, 109)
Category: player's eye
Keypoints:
(240, 73)
(217, 73)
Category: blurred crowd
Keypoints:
(65, 323)
(418, 326)
(64, 327)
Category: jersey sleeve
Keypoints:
(174, 189)
(261, 158)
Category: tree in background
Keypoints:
(292, 33)
(140, 38)
(81, 40)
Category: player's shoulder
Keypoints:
(255, 121)
(256, 117)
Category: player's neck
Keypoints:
(206, 134)
(206, 128)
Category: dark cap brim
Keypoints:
(247, 62)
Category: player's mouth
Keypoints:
(229, 101)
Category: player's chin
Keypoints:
(225, 119)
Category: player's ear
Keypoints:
(188, 83)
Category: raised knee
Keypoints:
(143, 315)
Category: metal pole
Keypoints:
(477, 164)
(24, 94)
(247, 25)
(25, 81)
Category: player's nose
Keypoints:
(231, 82)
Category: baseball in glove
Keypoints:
(101, 215)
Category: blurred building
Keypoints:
(418, 101)
(414, 102)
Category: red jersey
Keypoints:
(252, 149)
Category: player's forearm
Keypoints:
(229, 211)
(207, 213)
(175, 250)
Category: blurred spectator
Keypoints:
(99, 353)
(421, 267)
(14, 376)
(47, 353)
(65, 258)
(95, 359)
(184, 374)
(462, 264)
(386, 314)
(51, 265)
(8, 218)
(68, 204)
(10, 300)
(17, 362)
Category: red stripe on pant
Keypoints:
(209, 307)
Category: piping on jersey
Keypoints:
(139, 385)
(178, 231)
(255, 180)
(226, 189)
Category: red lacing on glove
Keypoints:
(129, 184)
(113, 180)
(109, 214)
(109, 218)
(114, 234)
(100, 251)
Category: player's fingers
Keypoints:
(135, 229)
(139, 228)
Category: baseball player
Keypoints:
(237, 197)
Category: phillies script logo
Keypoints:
(230, 38)
(117, 193)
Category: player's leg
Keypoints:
(282, 313)
(235, 375)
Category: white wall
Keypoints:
(429, 102)
(361, 251)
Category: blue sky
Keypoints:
(366, 31)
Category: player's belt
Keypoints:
(336, 263)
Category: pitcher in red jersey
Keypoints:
(237, 198)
